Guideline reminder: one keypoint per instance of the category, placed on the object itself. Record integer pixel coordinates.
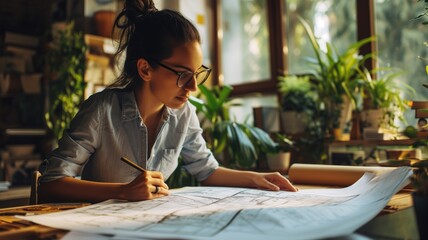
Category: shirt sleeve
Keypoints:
(197, 158)
(76, 145)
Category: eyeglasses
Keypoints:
(184, 77)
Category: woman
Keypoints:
(144, 116)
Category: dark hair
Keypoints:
(148, 33)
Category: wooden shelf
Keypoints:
(15, 196)
(368, 143)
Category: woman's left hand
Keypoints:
(273, 181)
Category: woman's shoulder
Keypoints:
(108, 95)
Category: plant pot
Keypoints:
(420, 206)
(279, 162)
(373, 118)
(104, 21)
(345, 116)
(294, 122)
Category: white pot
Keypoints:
(279, 162)
(294, 122)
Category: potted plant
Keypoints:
(278, 159)
(66, 67)
(236, 145)
(297, 102)
(336, 77)
(384, 102)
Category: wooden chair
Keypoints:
(34, 194)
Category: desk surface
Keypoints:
(396, 221)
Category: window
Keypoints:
(333, 21)
(400, 41)
(245, 45)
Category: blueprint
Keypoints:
(237, 213)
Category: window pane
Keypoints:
(332, 20)
(245, 46)
(197, 12)
(400, 42)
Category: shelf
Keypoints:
(398, 142)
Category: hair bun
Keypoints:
(138, 8)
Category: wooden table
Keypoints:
(13, 228)
(396, 221)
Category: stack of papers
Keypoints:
(237, 213)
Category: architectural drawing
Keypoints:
(219, 213)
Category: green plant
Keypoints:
(335, 76)
(385, 93)
(284, 143)
(66, 63)
(297, 94)
(240, 142)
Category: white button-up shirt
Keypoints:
(108, 126)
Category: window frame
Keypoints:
(277, 39)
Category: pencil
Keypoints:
(132, 164)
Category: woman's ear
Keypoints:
(143, 68)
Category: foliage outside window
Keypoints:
(332, 21)
(401, 45)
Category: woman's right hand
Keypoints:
(147, 185)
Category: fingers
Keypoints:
(276, 182)
(269, 186)
(159, 191)
(158, 187)
(156, 179)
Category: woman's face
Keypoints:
(163, 84)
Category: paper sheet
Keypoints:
(237, 213)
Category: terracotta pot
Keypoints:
(104, 21)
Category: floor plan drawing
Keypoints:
(220, 212)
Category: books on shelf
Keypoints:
(18, 39)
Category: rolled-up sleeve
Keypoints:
(76, 146)
(197, 158)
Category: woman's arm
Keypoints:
(235, 178)
(68, 189)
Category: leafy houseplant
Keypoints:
(336, 78)
(384, 95)
(279, 158)
(241, 143)
(66, 63)
(297, 93)
(297, 102)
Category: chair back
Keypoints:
(34, 194)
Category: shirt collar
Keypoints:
(130, 108)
